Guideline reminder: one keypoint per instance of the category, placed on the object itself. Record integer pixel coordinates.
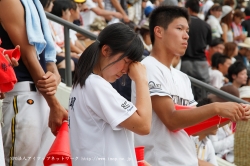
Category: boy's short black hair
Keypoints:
(247, 11)
(163, 15)
(204, 101)
(217, 59)
(193, 5)
(234, 69)
(216, 41)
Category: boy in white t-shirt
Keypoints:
(163, 147)
(219, 68)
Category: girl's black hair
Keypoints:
(45, 3)
(60, 6)
(120, 38)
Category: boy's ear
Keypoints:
(234, 76)
(158, 31)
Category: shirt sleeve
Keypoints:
(156, 82)
(107, 103)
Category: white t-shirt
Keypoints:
(223, 143)
(95, 112)
(163, 147)
(58, 32)
(205, 150)
(216, 78)
(215, 26)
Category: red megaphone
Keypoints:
(15, 53)
(59, 152)
(202, 126)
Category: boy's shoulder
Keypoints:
(153, 65)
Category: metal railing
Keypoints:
(67, 25)
(219, 93)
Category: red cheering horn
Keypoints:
(59, 152)
(210, 123)
(15, 53)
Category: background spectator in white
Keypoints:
(212, 18)
(62, 9)
(218, 70)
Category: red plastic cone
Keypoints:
(15, 53)
(59, 152)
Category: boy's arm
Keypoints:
(15, 26)
(174, 120)
(204, 163)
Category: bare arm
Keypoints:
(15, 26)
(119, 8)
(74, 48)
(174, 120)
(204, 163)
(140, 121)
(224, 29)
(105, 13)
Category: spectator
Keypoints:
(231, 50)
(194, 61)
(242, 54)
(60, 55)
(212, 18)
(75, 15)
(34, 106)
(223, 141)
(231, 3)
(112, 55)
(237, 74)
(89, 10)
(217, 45)
(61, 9)
(145, 38)
(219, 69)
(204, 148)
(114, 5)
(207, 5)
(246, 23)
(238, 31)
(226, 21)
(168, 86)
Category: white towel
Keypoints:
(38, 30)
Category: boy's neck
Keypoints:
(162, 55)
